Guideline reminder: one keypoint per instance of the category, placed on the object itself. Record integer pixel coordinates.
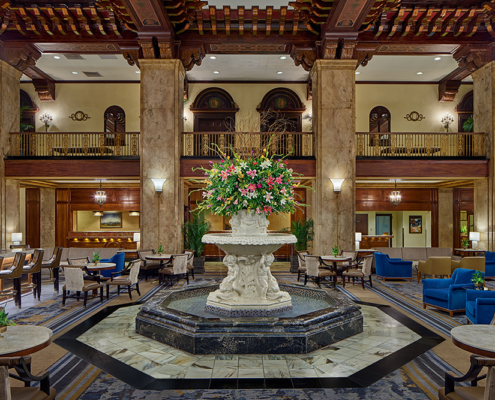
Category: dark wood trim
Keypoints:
(62, 217)
(403, 83)
(32, 211)
(463, 200)
(86, 82)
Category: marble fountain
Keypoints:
(249, 312)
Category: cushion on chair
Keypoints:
(392, 252)
(150, 265)
(441, 294)
(120, 281)
(463, 393)
(324, 272)
(462, 276)
(88, 285)
(166, 271)
(189, 266)
(302, 269)
(28, 393)
(356, 272)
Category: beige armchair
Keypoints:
(364, 273)
(474, 263)
(435, 266)
(314, 271)
(132, 279)
(190, 261)
(179, 269)
(74, 282)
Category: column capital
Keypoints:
(342, 65)
(172, 63)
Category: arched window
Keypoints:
(114, 119)
(380, 122)
(214, 110)
(284, 110)
(464, 110)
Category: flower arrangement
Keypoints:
(260, 183)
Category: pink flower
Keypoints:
(259, 185)
(252, 187)
(219, 198)
(279, 180)
(268, 196)
(244, 192)
(252, 173)
(281, 165)
(225, 175)
(235, 202)
(270, 181)
(267, 210)
(283, 191)
(258, 210)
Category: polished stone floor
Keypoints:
(115, 336)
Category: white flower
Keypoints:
(237, 170)
(268, 197)
(243, 165)
(265, 164)
(245, 203)
(290, 170)
(282, 201)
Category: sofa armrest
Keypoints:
(485, 301)
(462, 286)
(437, 283)
(472, 295)
(401, 262)
(395, 259)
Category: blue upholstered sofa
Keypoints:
(118, 259)
(490, 265)
(392, 268)
(448, 294)
(480, 306)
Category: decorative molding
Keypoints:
(78, 48)
(364, 53)
(384, 49)
(247, 48)
(79, 116)
(304, 57)
(472, 58)
(148, 50)
(447, 90)
(131, 54)
(21, 56)
(166, 50)
(414, 116)
(45, 89)
(192, 56)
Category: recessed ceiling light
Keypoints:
(437, 58)
(419, 73)
(213, 58)
(137, 72)
(279, 72)
(283, 57)
(357, 72)
(74, 72)
(216, 72)
(56, 57)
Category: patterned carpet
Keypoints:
(75, 378)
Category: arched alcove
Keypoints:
(214, 110)
(282, 103)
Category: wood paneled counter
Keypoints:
(372, 241)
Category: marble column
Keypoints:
(9, 122)
(445, 217)
(47, 217)
(334, 126)
(484, 121)
(162, 108)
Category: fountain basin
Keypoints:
(319, 318)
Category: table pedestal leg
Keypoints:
(4, 383)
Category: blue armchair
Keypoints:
(480, 306)
(490, 265)
(448, 294)
(118, 259)
(392, 268)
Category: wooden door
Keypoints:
(362, 223)
(33, 217)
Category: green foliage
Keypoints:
(303, 231)
(463, 229)
(335, 251)
(465, 242)
(160, 249)
(194, 230)
(477, 278)
(468, 124)
(96, 257)
(24, 127)
(4, 318)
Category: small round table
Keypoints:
(335, 260)
(477, 339)
(99, 267)
(18, 341)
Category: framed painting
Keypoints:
(415, 224)
(111, 219)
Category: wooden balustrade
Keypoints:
(204, 144)
(408, 144)
(74, 144)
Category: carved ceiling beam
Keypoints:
(131, 53)
(346, 16)
(191, 56)
(19, 56)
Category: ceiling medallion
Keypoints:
(414, 116)
(79, 116)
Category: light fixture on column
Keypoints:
(446, 121)
(474, 237)
(395, 196)
(359, 236)
(17, 238)
(46, 119)
(158, 185)
(137, 238)
(100, 196)
(337, 184)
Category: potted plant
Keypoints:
(193, 231)
(464, 237)
(160, 250)
(303, 231)
(96, 258)
(4, 321)
(468, 125)
(335, 250)
(478, 280)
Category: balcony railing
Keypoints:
(74, 144)
(408, 144)
(204, 144)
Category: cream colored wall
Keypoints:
(86, 222)
(417, 239)
(92, 99)
(401, 100)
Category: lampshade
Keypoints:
(17, 237)
(337, 184)
(358, 236)
(137, 236)
(158, 184)
(474, 236)
(97, 213)
(133, 213)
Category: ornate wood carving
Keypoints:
(148, 50)
(131, 54)
(364, 53)
(258, 48)
(192, 56)
(304, 57)
(471, 58)
(329, 49)
(214, 99)
(309, 89)
(20, 56)
(166, 50)
(45, 89)
(447, 90)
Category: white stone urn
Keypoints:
(249, 224)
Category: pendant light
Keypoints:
(395, 196)
(100, 196)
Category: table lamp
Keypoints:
(137, 238)
(17, 238)
(474, 237)
(358, 239)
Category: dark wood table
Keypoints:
(469, 252)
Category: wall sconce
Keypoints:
(158, 185)
(185, 118)
(46, 119)
(137, 238)
(359, 237)
(337, 184)
(475, 238)
(133, 213)
(97, 213)
(446, 121)
(17, 238)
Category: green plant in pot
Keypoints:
(96, 258)
(335, 250)
(478, 280)
(4, 321)
(160, 250)
(465, 239)
(193, 231)
(304, 233)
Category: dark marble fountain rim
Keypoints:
(139, 380)
(344, 306)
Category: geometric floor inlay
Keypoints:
(115, 336)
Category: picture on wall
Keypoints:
(111, 219)
(415, 224)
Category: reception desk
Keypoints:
(374, 241)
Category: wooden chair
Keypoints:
(302, 263)
(353, 255)
(190, 261)
(22, 366)
(34, 269)
(74, 281)
(363, 273)
(147, 265)
(54, 265)
(14, 273)
(178, 269)
(314, 271)
(132, 279)
(81, 262)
